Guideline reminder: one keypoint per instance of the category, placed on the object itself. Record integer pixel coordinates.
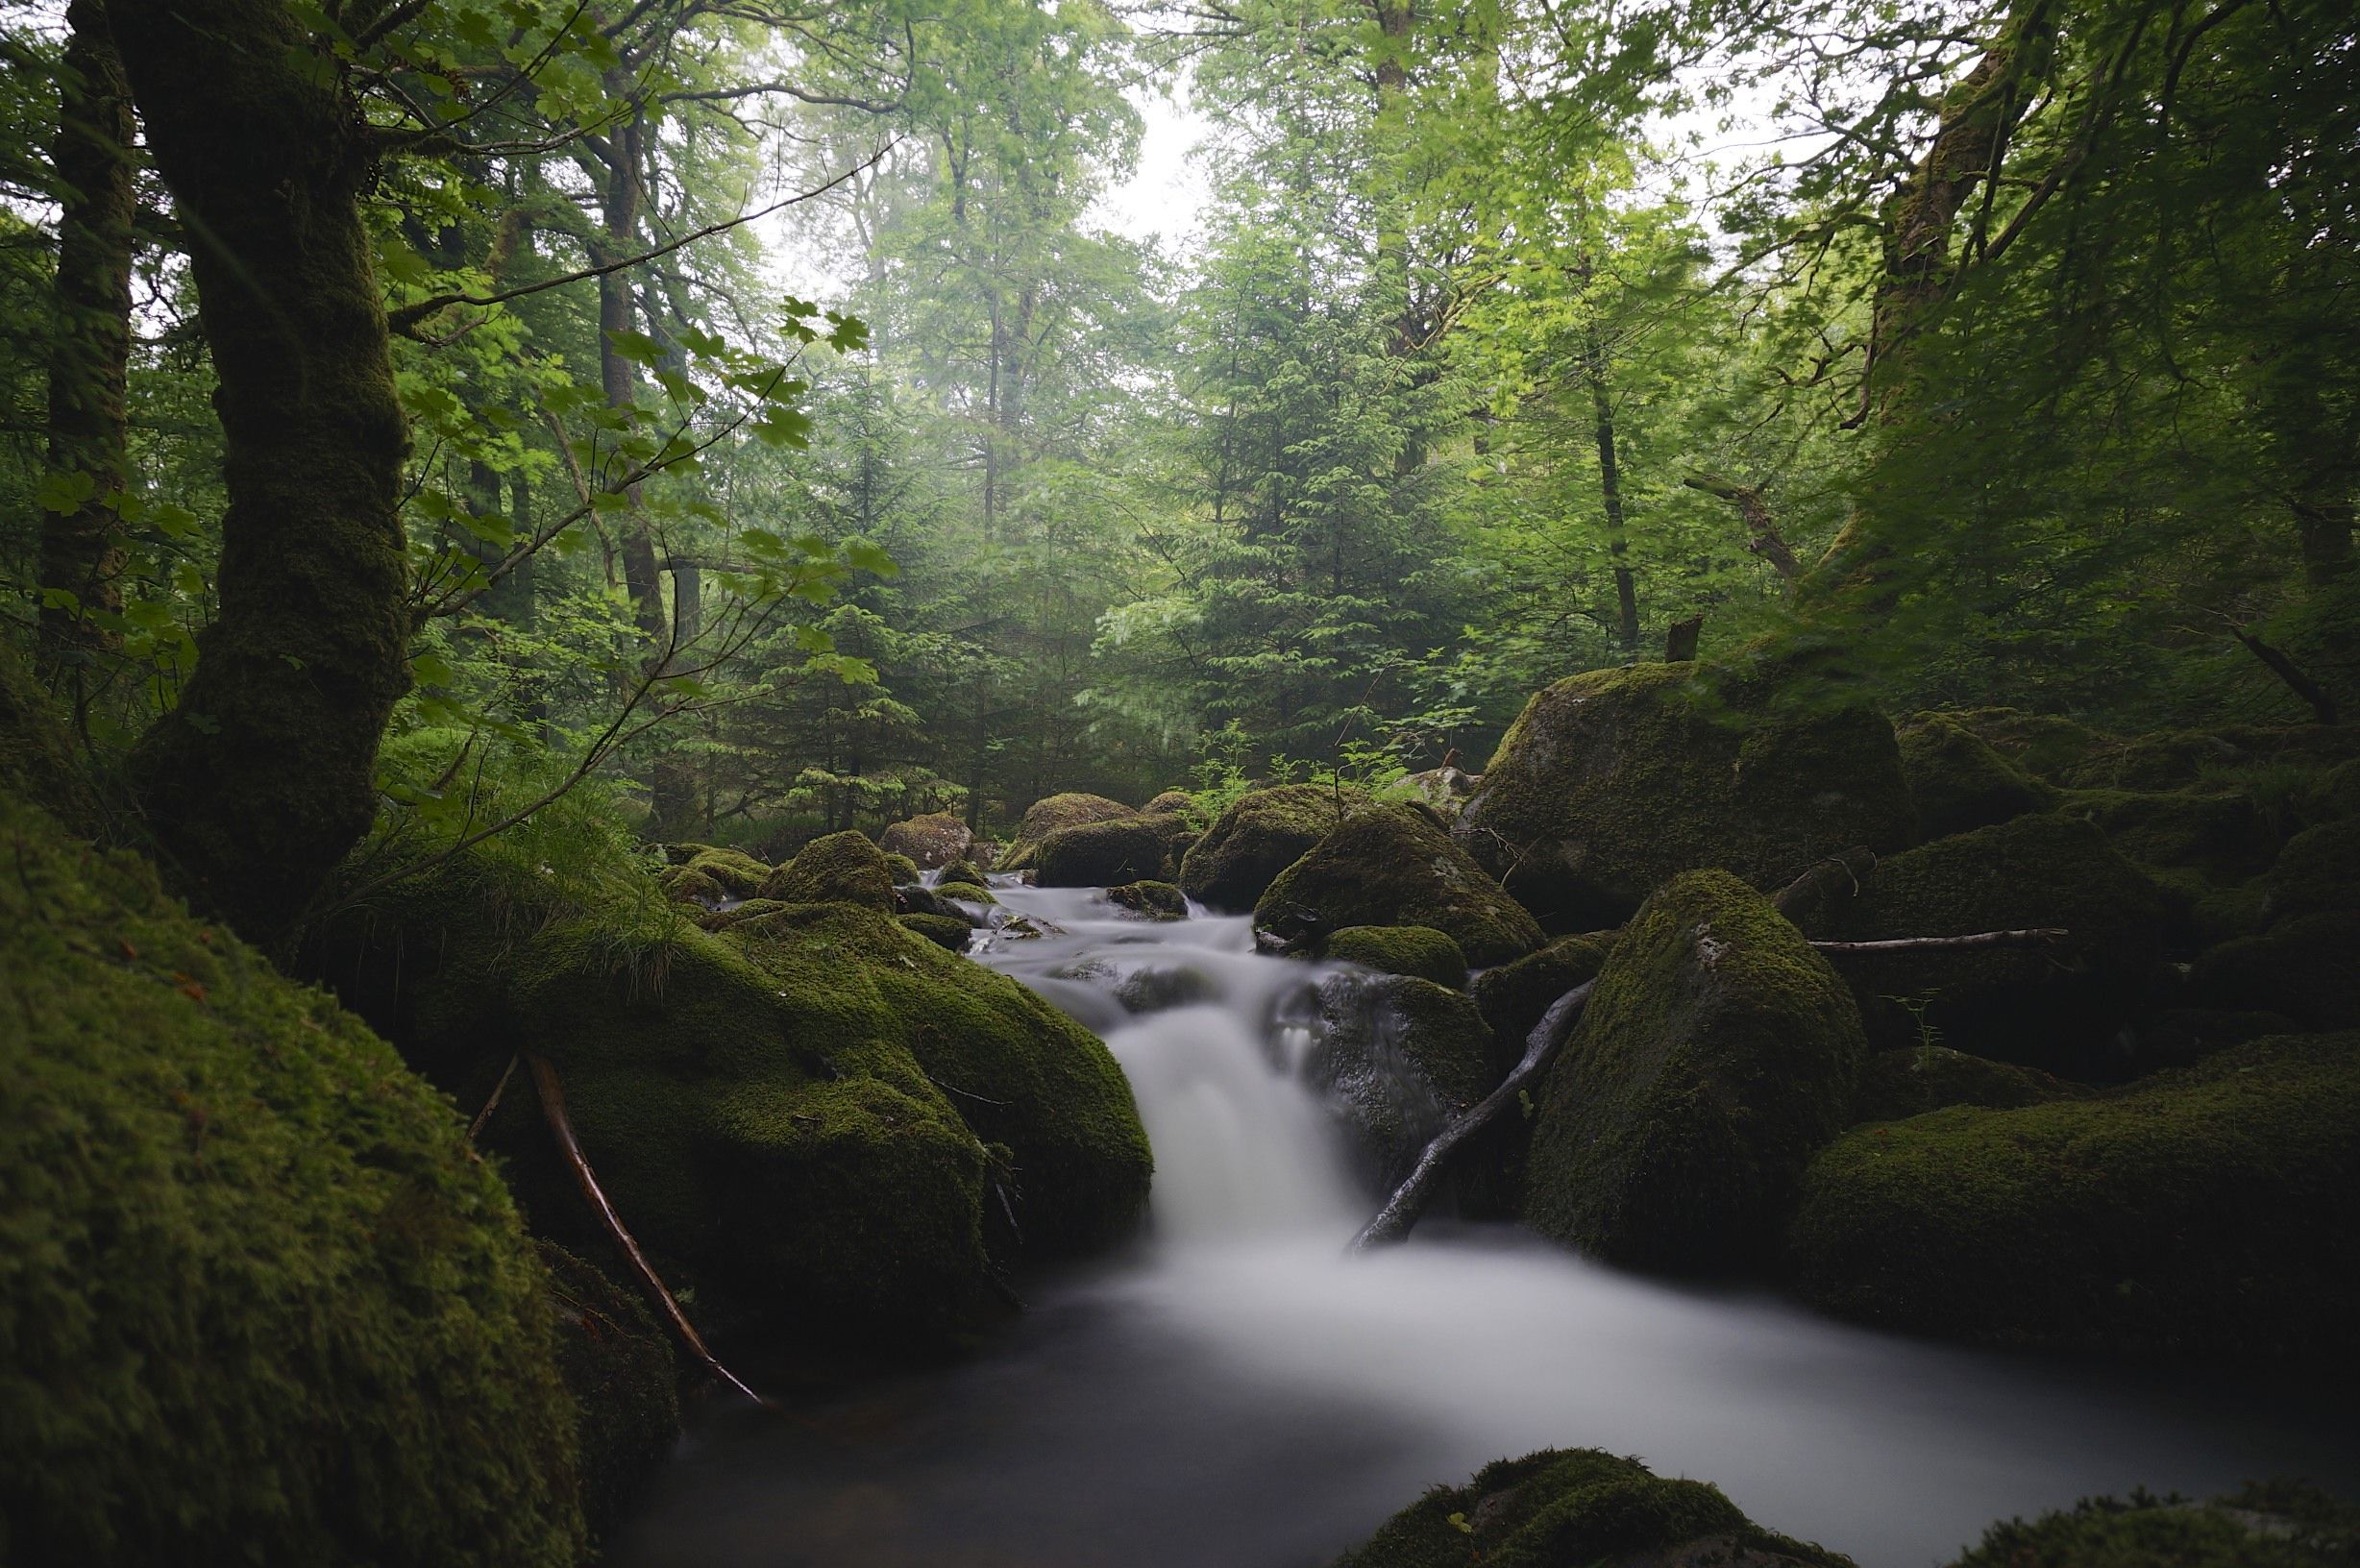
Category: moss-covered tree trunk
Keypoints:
(82, 550)
(262, 778)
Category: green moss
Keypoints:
(1102, 854)
(2215, 1210)
(734, 869)
(1418, 951)
(1170, 803)
(1155, 900)
(2057, 1008)
(1905, 1083)
(2319, 872)
(943, 930)
(258, 1302)
(1559, 1508)
(902, 869)
(620, 1368)
(2223, 836)
(1400, 1056)
(963, 870)
(1958, 781)
(2302, 967)
(38, 759)
(2269, 1526)
(1047, 816)
(2042, 744)
(837, 868)
(1513, 996)
(1611, 782)
(973, 893)
(1393, 866)
(1718, 1054)
(687, 884)
(2182, 1036)
(936, 839)
(2163, 760)
(1262, 834)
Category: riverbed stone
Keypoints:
(1400, 1056)
(931, 841)
(1102, 854)
(1046, 816)
(1393, 866)
(837, 867)
(1260, 835)
(1513, 996)
(1417, 950)
(1149, 900)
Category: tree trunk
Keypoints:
(1610, 488)
(261, 779)
(82, 550)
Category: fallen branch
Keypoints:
(1409, 1200)
(2044, 935)
(552, 1106)
(493, 1104)
(1832, 880)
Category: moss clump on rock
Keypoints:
(1044, 817)
(1563, 1507)
(2042, 744)
(737, 873)
(946, 931)
(1719, 1053)
(2303, 968)
(618, 1363)
(1258, 836)
(263, 1304)
(2215, 1210)
(903, 871)
(686, 885)
(1417, 950)
(973, 893)
(835, 869)
(2056, 1008)
(1611, 782)
(1102, 854)
(936, 839)
(1513, 996)
(1171, 803)
(1151, 901)
(1400, 1056)
(2318, 874)
(1393, 866)
(2265, 1525)
(1907, 1083)
(2161, 760)
(1958, 781)
(2224, 837)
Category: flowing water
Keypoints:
(1235, 1393)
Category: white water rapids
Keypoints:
(1235, 1393)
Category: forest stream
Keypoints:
(1235, 1391)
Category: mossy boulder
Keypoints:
(618, 1364)
(263, 1304)
(1170, 803)
(1393, 866)
(964, 870)
(835, 869)
(1577, 1508)
(903, 871)
(1958, 781)
(737, 873)
(1102, 854)
(946, 931)
(2221, 836)
(2304, 968)
(1149, 900)
(1417, 950)
(2045, 745)
(1895, 1084)
(972, 893)
(2215, 1210)
(1400, 1056)
(2056, 1008)
(2319, 872)
(1047, 816)
(1262, 834)
(1513, 996)
(1612, 782)
(2181, 1037)
(686, 885)
(936, 839)
(2161, 760)
(2270, 1525)
(1719, 1053)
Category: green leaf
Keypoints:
(64, 492)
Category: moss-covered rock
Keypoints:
(737, 873)
(1393, 866)
(947, 931)
(963, 870)
(2266, 1526)
(903, 871)
(2303, 968)
(1170, 803)
(618, 1364)
(1958, 781)
(2319, 872)
(1417, 950)
(1047, 816)
(1895, 1084)
(38, 760)
(687, 884)
(2043, 744)
(1718, 1055)
(1573, 1508)
(936, 839)
(1262, 834)
(1400, 1056)
(972, 893)
(2221, 836)
(261, 1304)
(1513, 996)
(2057, 1009)
(836, 868)
(1150, 900)
(1611, 782)
(2181, 1037)
(1102, 854)
(2215, 1210)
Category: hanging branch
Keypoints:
(552, 1106)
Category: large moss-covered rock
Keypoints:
(2057, 1008)
(1611, 782)
(931, 841)
(2265, 1525)
(1718, 1055)
(618, 1364)
(259, 1302)
(1170, 803)
(1400, 1056)
(903, 871)
(2220, 835)
(1046, 816)
(2161, 760)
(1393, 866)
(2318, 874)
(1258, 836)
(835, 869)
(1958, 781)
(736, 872)
(2303, 968)
(1417, 950)
(1513, 996)
(1895, 1084)
(1575, 1508)
(2042, 744)
(1103, 854)
(2215, 1210)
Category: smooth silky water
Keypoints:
(1235, 1393)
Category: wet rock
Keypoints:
(1400, 1056)
(1149, 900)
(618, 1363)
(1155, 987)
(950, 932)
(1419, 951)
(738, 874)
(936, 839)
(1513, 996)
(2271, 1525)
(1390, 865)
(903, 871)
(1102, 854)
(1047, 816)
(687, 884)
(1718, 1055)
(1258, 836)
